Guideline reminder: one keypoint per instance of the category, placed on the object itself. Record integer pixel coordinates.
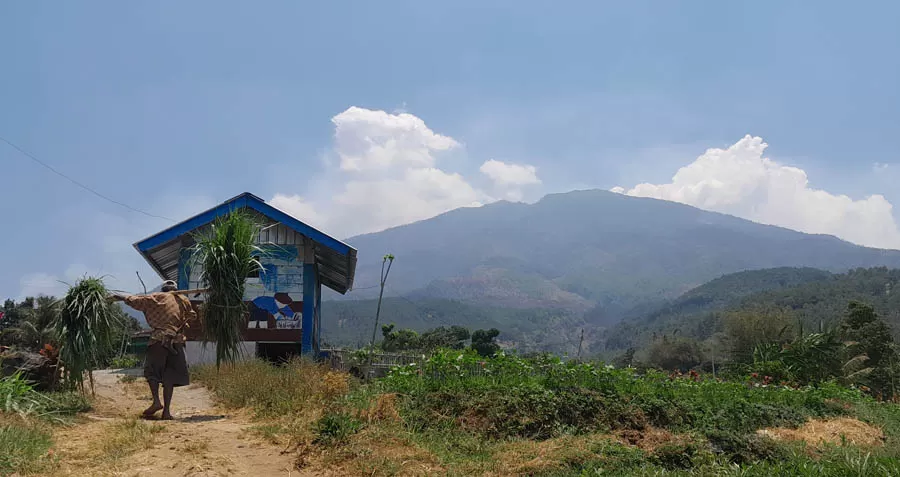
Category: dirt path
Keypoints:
(201, 441)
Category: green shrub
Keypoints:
(746, 448)
(543, 396)
(127, 361)
(681, 455)
(17, 396)
(336, 428)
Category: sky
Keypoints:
(358, 116)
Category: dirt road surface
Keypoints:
(202, 440)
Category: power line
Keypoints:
(79, 184)
(365, 288)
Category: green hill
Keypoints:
(808, 296)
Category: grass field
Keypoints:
(460, 414)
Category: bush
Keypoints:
(336, 428)
(681, 455)
(508, 396)
(127, 361)
(746, 448)
(18, 396)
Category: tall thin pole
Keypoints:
(389, 260)
(580, 342)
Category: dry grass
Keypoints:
(840, 431)
(273, 391)
(383, 408)
(527, 457)
(380, 452)
(121, 439)
(650, 438)
(286, 399)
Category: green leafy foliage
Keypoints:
(86, 327)
(335, 428)
(676, 353)
(17, 396)
(125, 362)
(226, 253)
(484, 342)
(871, 337)
(509, 396)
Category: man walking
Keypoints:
(167, 314)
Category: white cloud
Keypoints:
(366, 140)
(297, 207)
(741, 182)
(509, 174)
(509, 179)
(402, 181)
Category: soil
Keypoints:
(202, 440)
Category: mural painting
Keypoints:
(274, 297)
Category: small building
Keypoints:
(284, 300)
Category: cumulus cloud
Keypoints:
(740, 181)
(296, 206)
(509, 174)
(369, 140)
(390, 173)
(510, 179)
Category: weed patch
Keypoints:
(336, 428)
(24, 447)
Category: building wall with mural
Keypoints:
(275, 296)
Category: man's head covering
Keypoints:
(169, 285)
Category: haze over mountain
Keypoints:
(594, 253)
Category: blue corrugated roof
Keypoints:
(250, 201)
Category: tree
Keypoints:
(626, 359)
(676, 354)
(483, 341)
(35, 325)
(454, 337)
(868, 335)
(745, 330)
(400, 340)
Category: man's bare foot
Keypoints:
(153, 409)
(166, 417)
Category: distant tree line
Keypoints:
(453, 337)
(28, 325)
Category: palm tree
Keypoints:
(36, 328)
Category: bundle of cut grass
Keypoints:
(84, 325)
(226, 254)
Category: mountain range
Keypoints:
(590, 251)
(584, 259)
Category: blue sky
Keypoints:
(175, 106)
